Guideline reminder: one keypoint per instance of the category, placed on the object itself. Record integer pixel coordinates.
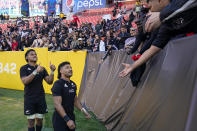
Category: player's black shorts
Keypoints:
(59, 124)
(35, 105)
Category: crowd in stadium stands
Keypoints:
(58, 35)
(4, 17)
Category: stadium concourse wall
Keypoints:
(164, 100)
(11, 61)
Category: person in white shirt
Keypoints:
(37, 42)
(102, 44)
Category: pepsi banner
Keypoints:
(80, 5)
(67, 6)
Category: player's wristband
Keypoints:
(34, 72)
(84, 110)
(66, 118)
(52, 72)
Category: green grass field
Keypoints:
(12, 118)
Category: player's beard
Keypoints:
(69, 74)
(34, 60)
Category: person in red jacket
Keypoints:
(75, 20)
(14, 45)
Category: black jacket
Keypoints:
(123, 37)
(182, 23)
(174, 6)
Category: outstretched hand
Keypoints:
(127, 69)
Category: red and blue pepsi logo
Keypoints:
(70, 3)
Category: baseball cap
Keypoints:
(80, 39)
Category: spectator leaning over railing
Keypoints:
(179, 22)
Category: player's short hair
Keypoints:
(26, 54)
(60, 66)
